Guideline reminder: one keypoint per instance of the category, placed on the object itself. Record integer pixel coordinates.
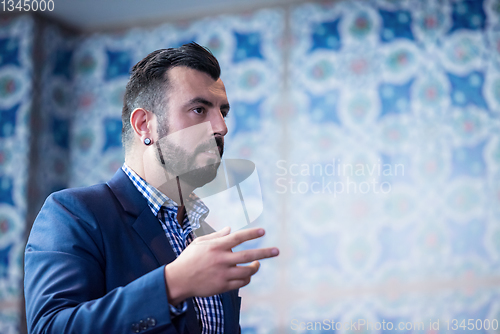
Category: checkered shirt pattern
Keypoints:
(208, 309)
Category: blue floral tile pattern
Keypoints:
(374, 126)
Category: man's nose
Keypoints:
(218, 123)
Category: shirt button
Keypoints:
(151, 322)
(136, 328)
(142, 325)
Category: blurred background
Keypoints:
(374, 126)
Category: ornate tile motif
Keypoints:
(16, 75)
(374, 126)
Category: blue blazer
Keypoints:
(94, 263)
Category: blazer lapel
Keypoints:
(149, 229)
(151, 232)
(145, 223)
(231, 305)
(192, 324)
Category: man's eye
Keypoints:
(199, 110)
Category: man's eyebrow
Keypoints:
(201, 100)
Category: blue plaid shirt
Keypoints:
(208, 309)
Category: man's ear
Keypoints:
(144, 124)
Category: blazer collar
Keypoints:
(127, 194)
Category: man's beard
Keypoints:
(178, 162)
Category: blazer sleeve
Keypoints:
(64, 284)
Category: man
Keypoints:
(122, 257)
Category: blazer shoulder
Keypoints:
(75, 209)
(82, 194)
(92, 200)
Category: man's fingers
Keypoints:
(254, 254)
(233, 240)
(237, 283)
(225, 231)
(243, 272)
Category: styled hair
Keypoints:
(148, 84)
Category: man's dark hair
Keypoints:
(148, 84)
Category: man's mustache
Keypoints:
(205, 146)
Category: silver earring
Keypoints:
(147, 141)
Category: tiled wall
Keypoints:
(16, 77)
(374, 127)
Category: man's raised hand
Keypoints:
(208, 266)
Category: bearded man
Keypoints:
(123, 257)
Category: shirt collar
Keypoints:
(196, 210)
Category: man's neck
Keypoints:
(156, 175)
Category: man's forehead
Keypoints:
(185, 79)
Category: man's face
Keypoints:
(191, 132)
